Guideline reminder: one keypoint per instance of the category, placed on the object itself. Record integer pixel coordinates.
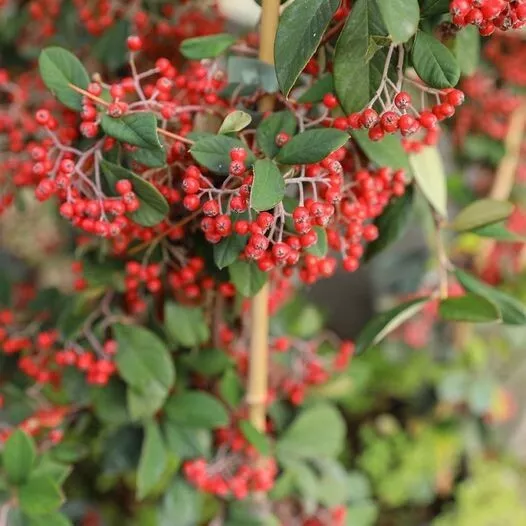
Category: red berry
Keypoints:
(134, 43)
(123, 186)
(330, 101)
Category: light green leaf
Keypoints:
(433, 62)
(152, 462)
(231, 388)
(300, 30)
(321, 247)
(500, 232)
(383, 324)
(254, 437)
(281, 121)
(401, 18)
(143, 404)
(58, 69)
(182, 501)
(196, 409)
(52, 519)
(235, 121)
(268, 188)
(206, 47)
(186, 325)
(214, 152)
(247, 277)
(139, 129)
(466, 48)
(430, 177)
(469, 308)
(387, 152)
(39, 496)
(18, 457)
(312, 146)
(187, 442)
(482, 213)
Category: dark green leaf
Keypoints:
(19, 456)
(466, 48)
(153, 206)
(249, 71)
(401, 18)
(281, 121)
(383, 324)
(469, 308)
(430, 176)
(387, 152)
(187, 442)
(247, 277)
(259, 440)
(196, 409)
(235, 121)
(152, 462)
(111, 47)
(434, 7)
(139, 129)
(268, 188)
(228, 250)
(143, 404)
(73, 317)
(482, 213)
(392, 223)
(206, 47)
(231, 388)
(483, 148)
(300, 30)
(39, 496)
(433, 62)
(186, 325)
(152, 158)
(512, 310)
(321, 247)
(208, 362)
(357, 76)
(109, 403)
(214, 152)
(312, 146)
(322, 86)
(318, 431)
(499, 232)
(58, 69)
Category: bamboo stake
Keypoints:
(258, 368)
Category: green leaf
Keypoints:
(39, 496)
(483, 148)
(387, 152)
(281, 121)
(356, 75)
(392, 223)
(187, 442)
(469, 308)
(499, 232)
(430, 177)
(144, 362)
(268, 188)
(153, 206)
(321, 247)
(208, 362)
(228, 250)
(482, 213)
(466, 48)
(152, 158)
(58, 69)
(363, 513)
(259, 440)
(231, 388)
(206, 47)
(247, 277)
(401, 18)
(109, 402)
(249, 71)
(111, 47)
(186, 325)
(19, 457)
(434, 7)
(312, 146)
(214, 152)
(152, 462)
(182, 501)
(300, 30)
(512, 310)
(58, 471)
(333, 486)
(322, 86)
(51, 519)
(139, 129)
(383, 324)
(235, 121)
(318, 431)
(433, 62)
(143, 404)
(196, 409)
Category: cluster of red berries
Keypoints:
(326, 517)
(507, 54)
(489, 15)
(404, 118)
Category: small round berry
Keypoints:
(402, 100)
(330, 101)
(369, 118)
(123, 186)
(42, 117)
(238, 154)
(134, 43)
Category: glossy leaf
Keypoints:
(469, 308)
(357, 75)
(320, 87)
(433, 62)
(512, 310)
(254, 437)
(235, 121)
(59, 68)
(153, 206)
(206, 47)
(312, 146)
(300, 30)
(383, 324)
(196, 409)
(401, 18)
(281, 121)
(19, 456)
(228, 250)
(138, 129)
(186, 325)
(387, 152)
(430, 177)
(481, 213)
(214, 152)
(153, 460)
(39, 496)
(268, 188)
(247, 277)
